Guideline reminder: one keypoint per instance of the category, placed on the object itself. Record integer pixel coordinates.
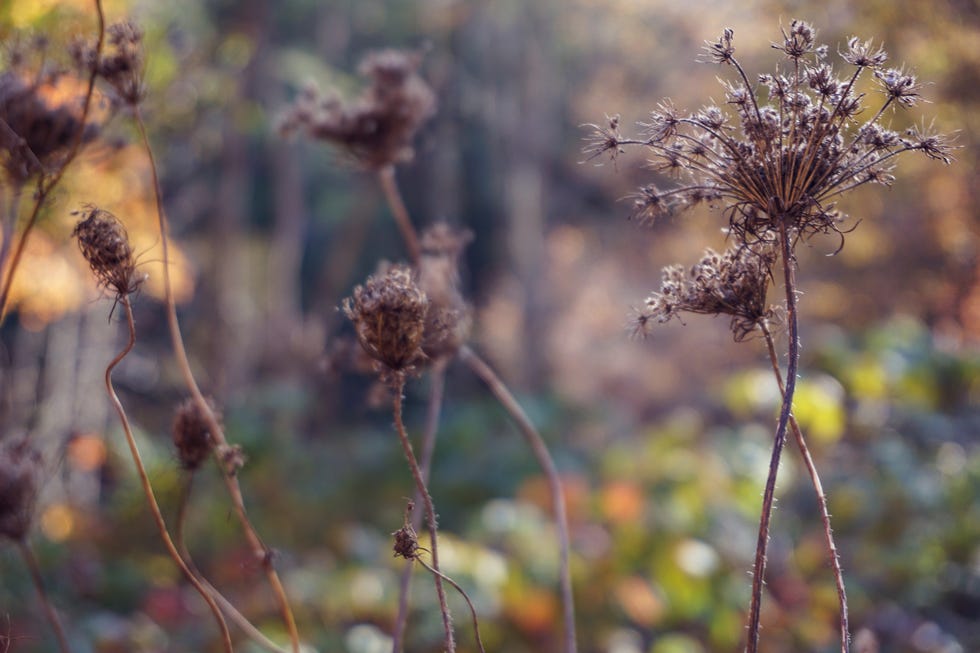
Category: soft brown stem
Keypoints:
(437, 385)
(387, 177)
(31, 563)
(762, 545)
(821, 500)
(540, 450)
(430, 512)
(241, 620)
(145, 480)
(476, 622)
(259, 549)
(44, 187)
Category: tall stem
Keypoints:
(437, 385)
(387, 178)
(762, 545)
(259, 549)
(151, 499)
(821, 500)
(430, 513)
(31, 563)
(547, 464)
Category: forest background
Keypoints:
(662, 443)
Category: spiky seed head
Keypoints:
(389, 313)
(105, 245)
(192, 433)
(20, 472)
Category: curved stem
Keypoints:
(31, 563)
(145, 480)
(821, 500)
(437, 385)
(476, 622)
(430, 511)
(259, 549)
(241, 620)
(762, 545)
(541, 453)
(386, 175)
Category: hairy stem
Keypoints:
(45, 186)
(397, 205)
(241, 620)
(49, 612)
(259, 549)
(145, 480)
(437, 385)
(821, 500)
(762, 545)
(476, 622)
(430, 512)
(543, 456)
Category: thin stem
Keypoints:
(547, 464)
(145, 480)
(44, 189)
(31, 563)
(821, 500)
(386, 176)
(259, 549)
(430, 512)
(762, 545)
(476, 622)
(437, 385)
(241, 620)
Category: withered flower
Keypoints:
(449, 318)
(121, 64)
(105, 245)
(20, 471)
(192, 434)
(389, 313)
(377, 128)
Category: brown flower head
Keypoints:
(105, 245)
(192, 434)
(781, 160)
(449, 318)
(378, 127)
(389, 313)
(734, 283)
(121, 64)
(20, 470)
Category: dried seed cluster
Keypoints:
(192, 434)
(121, 64)
(389, 314)
(20, 471)
(734, 283)
(784, 158)
(378, 127)
(105, 245)
(449, 318)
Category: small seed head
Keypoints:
(192, 434)
(105, 245)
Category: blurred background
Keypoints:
(663, 443)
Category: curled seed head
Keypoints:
(389, 313)
(192, 434)
(105, 246)
(20, 471)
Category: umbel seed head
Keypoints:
(20, 470)
(192, 434)
(449, 320)
(388, 313)
(105, 246)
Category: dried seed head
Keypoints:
(389, 313)
(449, 318)
(122, 62)
(105, 245)
(378, 127)
(406, 539)
(36, 135)
(20, 470)
(192, 434)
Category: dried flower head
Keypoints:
(781, 160)
(449, 318)
(105, 245)
(406, 539)
(378, 127)
(20, 470)
(192, 434)
(121, 64)
(389, 313)
(37, 133)
(734, 283)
